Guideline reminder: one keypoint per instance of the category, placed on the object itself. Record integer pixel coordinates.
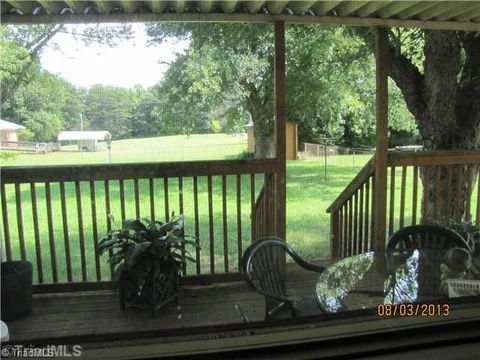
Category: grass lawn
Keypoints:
(165, 148)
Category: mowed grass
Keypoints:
(164, 149)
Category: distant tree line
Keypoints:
(223, 81)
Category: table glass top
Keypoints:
(384, 277)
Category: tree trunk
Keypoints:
(264, 146)
(447, 192)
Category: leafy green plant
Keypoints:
(145, 247)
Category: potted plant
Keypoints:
(148, 256)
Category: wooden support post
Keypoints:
(380, 195)
(280, 118)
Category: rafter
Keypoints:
(392, 9)
(253, 6)
(323, 7)
(371, 7)
(300, 6)
(275, 7)
(416, 9)
(437, 10)
(348, 7)
(25, 7)
(228, 6)
(156, 6)
(77, 6)
(469, 14)
(206, 6)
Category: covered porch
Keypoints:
(75, 300)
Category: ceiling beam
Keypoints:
(416, 9)
(5, 7)
(275, 7)
(130, 6)
(371, 7)
(394, 8)
(323, 7)
(216, 17)
(348, 7)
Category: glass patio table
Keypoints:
(368, 280)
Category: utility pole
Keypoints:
(81, 122)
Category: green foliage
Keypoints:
(144, 246)
(469, 231)
(8, 155)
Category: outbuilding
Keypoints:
(87, 140)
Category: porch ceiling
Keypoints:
(453, 15)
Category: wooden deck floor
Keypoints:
(89, 316)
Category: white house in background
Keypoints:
(8, 131)
(87, 140)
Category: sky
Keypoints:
(132, 62)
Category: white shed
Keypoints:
(87, 140)
(8, 131)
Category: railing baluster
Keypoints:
(402, 197)
(356, 246)
(252, 206)
(151, 193)
(197, 227)
(122, 199)
(367, 214)
(361, 219)
(414, 195)
(469, 197)
(391, 220)
(210, 224)
(426, 192)
(459, 191)
(108, 213)
(341, 251)
(239, 220)
(36, 232)
(93, 205)
(372, 220)
(21, 237)
(180, 209)
(345, 230)
(48, 197)
(6, 228)
(449, 185)
(436, 202)
(477, 220)
(137, 198)
(83, 260)
(350, 226)
(225, 228)
(166, 198)
(66, 238)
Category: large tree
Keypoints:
(438, 73)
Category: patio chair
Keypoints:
(426, 237)
(262, 265)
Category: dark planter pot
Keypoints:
(155, 293)
(16, 289)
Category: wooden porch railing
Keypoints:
(54, 216)
(352, 213)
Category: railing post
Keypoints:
(380, 195)
(280, 118)
(335, 238)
